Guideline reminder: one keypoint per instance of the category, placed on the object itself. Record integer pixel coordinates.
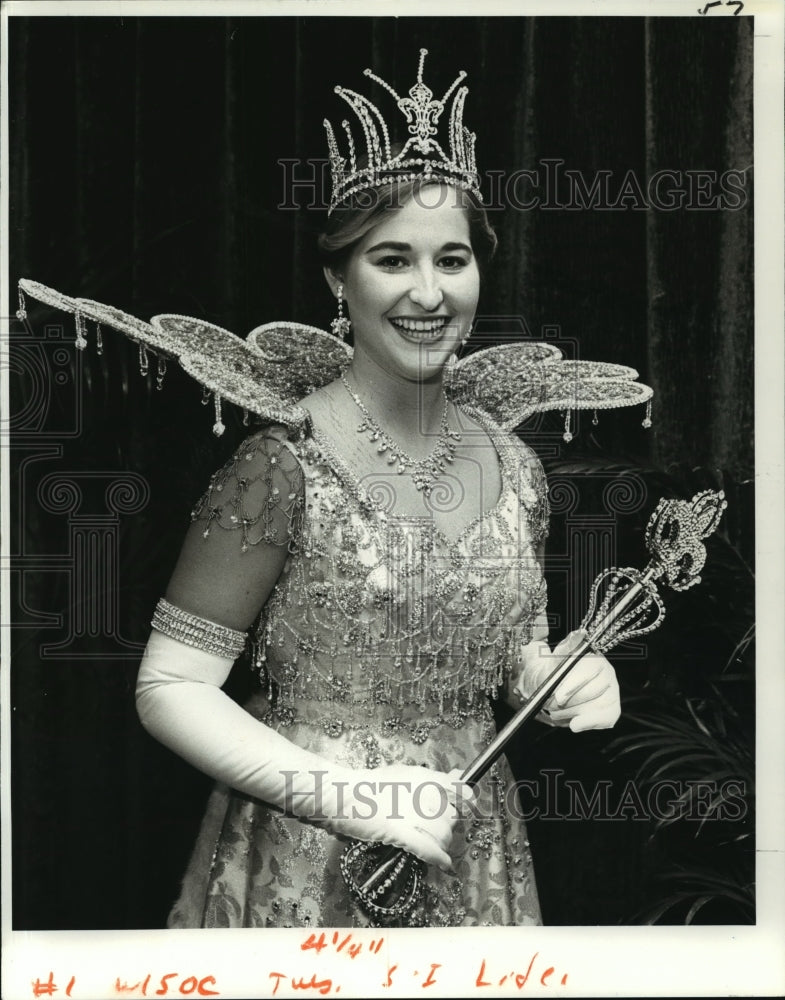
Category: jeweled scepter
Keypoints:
(624, 604)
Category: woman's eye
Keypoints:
(392, 263)
(453, 263)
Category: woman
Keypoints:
(394, 581)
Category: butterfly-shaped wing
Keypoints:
(298, 358)
(503, 381)
(281, 363)
(241, 378)
(226, 365)
(590, 385)
(514, 381)
(229, 367)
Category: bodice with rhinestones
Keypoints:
(380, 618)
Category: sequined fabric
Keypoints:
(382, 643)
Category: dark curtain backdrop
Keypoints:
(145, 173)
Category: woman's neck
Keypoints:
(403, 408)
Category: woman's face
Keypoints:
(411, 285)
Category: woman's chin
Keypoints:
(411, 362)
(426, 362)
(426, 371)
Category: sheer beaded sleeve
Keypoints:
(258, 493)
(243, 529)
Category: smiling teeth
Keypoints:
(427, 326)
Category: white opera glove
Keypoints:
(406, 806)
(180, 702)
(587, 698)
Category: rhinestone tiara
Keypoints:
(421, 155)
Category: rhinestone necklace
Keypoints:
(425, 471)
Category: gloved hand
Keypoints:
(403, 805)
(180, 702)
(587, 698)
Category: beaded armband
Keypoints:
(197, 632)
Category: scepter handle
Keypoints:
(483, 761)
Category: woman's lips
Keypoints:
(421, 330)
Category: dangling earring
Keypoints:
(341, 325)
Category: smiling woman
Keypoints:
(393, 583)
(411, 286)
(184, 147)
(411, 280)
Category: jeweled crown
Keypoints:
(421, 155)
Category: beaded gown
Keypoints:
(382, 643)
